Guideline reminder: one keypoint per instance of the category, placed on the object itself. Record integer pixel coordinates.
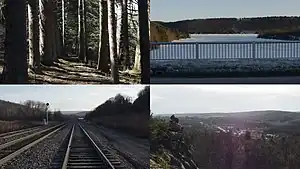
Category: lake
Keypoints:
(225, 46)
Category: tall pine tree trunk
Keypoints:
(48, 58)
(124, 42)
(112, 40)
(81, 35)
(35, 32)
(103, 37)
(118, 11)
(137, 57)
(63, 22)
(41, 28)
(16, 67)
(54, 31)
(79, 29)
(30, 36)
(61, 34)
(85, 33)
(144, 40)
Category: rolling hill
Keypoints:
(235, 25)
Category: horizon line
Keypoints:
(295, 111)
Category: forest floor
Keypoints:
(71, 71)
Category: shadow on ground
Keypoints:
(71, 71)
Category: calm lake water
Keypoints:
(231, 46)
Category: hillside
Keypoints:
(281, 34)
(123, 113)
(163, 154)
(268, 115)
(235, 25)
(160, 33)
(209, 149)
(272, 121)
(14, 116)
(15, 111)
(26, 111)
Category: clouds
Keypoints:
(224, 98)
(68, 97)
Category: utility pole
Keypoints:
(47, 113)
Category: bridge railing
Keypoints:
(224, 50)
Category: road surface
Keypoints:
(248, 80)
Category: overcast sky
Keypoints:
(173, 10)
(169, 99)
(67, 97)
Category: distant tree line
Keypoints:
(28, 110)
(235, 25)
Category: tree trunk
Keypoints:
(112, 40)
(41, 28)
(100, 33)
(118, 11)
(85, 33)
(63, 22)
(49, 58)
(62, 46)
(124, 42)
(103, 55)
(79, 28)
(137, 58)
(36, 36)
(30, 37)
(81, 35)
(15, 68)
(144, 40)
(54, 31)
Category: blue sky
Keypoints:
(173, 10)
(65, 97)
(174, 99)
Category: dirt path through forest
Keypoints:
(69, 71)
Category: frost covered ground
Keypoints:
(211, 67)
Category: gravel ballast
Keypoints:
(136, 153)
(7, 139)
(103, 143)
(40, 155)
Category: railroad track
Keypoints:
(14, 148)
(82, 152)
(18, 132)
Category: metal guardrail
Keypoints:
(224, 50)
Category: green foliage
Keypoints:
(159, 134)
